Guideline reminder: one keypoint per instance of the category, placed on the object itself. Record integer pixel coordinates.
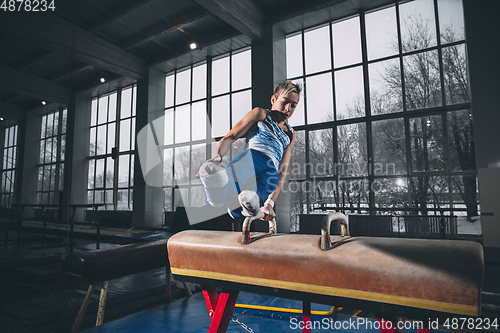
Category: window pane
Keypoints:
(168, 165)
(46, 178)
(123, 171)
(297, 167)
(389, 147)
(50, 125)
(429, 193)
(354, 194)
(126, 104)
(125, 135)
(91, 174)
(122, 200)
(167, 200)
(297, 118)
(169, 127)
(199, 123)
(56, 124)
(99, 173)
(381, 33)
(42, 154)
(198, 157)
(64, 121)
(182, 124)
(109, 200)
(427, 147)
(48, 151)
(241, 104)
(418, 25)
(422, 80)
(180, 197)
(321, 152)
(133, 134)
(183, 87)
(241, 70)
(112, 107)
(132, 170)
(391, 192)
(451, 21)
(317, 49)
(99, 197)
(386, 94)
(322, 195)
(294, 56)
(298, 203)
(63, 147)
(465, 193)
(220, 116)
(111, 137)
(92, 145)
(181, 165)
(93, 113)
(134, 100)
(353, 156)
(461, 141)
(198, 196)
(52, 177)
(456, 81)
(238, 146)
(199, 82)
(40, 179)
(220, 76)
(110, 172)
(61, 177)
(346, 42)
(319, 98)
(349, 93)
(169, 91)
(103, 110)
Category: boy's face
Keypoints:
(285, 103)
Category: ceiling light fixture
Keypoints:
(102, 80)
(44, 103)
(193, 46)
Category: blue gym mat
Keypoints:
(189, 315)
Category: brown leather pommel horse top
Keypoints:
(406, 277)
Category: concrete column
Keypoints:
(269, 69)
(481, 31)
(77, 165)
(148, 199)
(29, 135)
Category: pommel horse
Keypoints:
(391, 277)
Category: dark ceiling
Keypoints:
(51, 55)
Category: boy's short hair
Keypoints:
(287, 87)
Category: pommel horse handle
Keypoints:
(325, 241)
(245, 228)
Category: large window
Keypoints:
(52, 156)
(190, 133)
(112, 145)
(9, 166)
(385, 123)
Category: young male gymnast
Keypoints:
(256, 175)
